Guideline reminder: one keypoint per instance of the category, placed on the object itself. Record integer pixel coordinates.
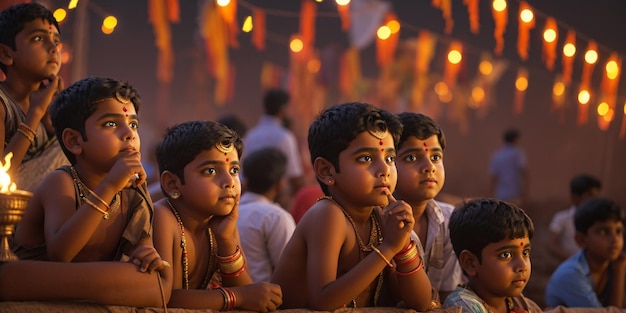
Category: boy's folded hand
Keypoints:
(148, 259)
(259, 297)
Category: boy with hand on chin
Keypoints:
(421, 176)
(492, 241)
(364, 256)
(195, 225)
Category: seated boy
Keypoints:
(492, 241)
(97, 209)
(195, 225)
(348, 262)
(562, 230)
(421, 176)
(593, 276)
(265, 227)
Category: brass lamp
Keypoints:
(12, 206)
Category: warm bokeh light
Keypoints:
(558, 89)
(65, 57)
(223, 3)
(441, 89)
(314, 65)
(549, 35)
(569, 49)
(603, 108)
(394, 26)
(383, 32)
(485, 67)
(609, 115)
(591, 56)
(584, 96)
(446, 98)
(109, 22)
(106, 31)
(478, 94)
(72, 4)
(296, 45)
(319, 0)
(624, 108)
(247, 24)
(342, 2)
(499, 5)
(521, 83)
(612, 70)
(455, 56)
(527, 15)
(59, 14)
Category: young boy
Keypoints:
(30, 57)
(562, 230)
(421, 176)
(97, 209)
(196, 223)
(594, 276)
(492, 241)
(348, 262)
(265, 227)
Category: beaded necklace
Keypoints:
(375, 239)
(185, 259)
(83, 191)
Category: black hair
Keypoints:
(235, 123)
(334, 128)
(597, 210)
(511, 135)
(72, 106)
(183, 142)
(263, 169)
(583, 183)
(274, 100)
(476, 223)
(13, 19)
(421, 127)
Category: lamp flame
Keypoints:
(6, 186)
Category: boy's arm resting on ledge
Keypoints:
(108, 283)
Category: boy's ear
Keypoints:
(580, 239)
(169, 182)
(73, 141)
(469, 262)
(324, 170)
(6, 57)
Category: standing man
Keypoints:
(509, 170)
(271, 132)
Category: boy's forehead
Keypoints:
(39, 24)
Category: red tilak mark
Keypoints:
(380, 142)
(126, 115)
(49, 27)
(226, 159)
(381, 150)
(521, 244)
(425, 147)
(125, 109)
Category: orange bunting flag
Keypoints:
(387, 40)
(558, 95)
(473, 12)
(173, 11)
(307, 27)
(424, 51)
(214, 30)
(258, 31)
(500, 16)
(526, 23)
(569, 51)
(550, 39)
(446, 11)
(344, 15)
(157, 14)
(584, 93)
(229, 15)
(610, 82)
(521, 84)
(453, 64)
(349, 73)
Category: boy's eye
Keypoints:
(390, 159)
(410, 158)
(506, 255)
(234, 170)
(365, 158)
(526, 252)
(436, 157)
(134, 125)
(110, 124)
(210, 171)
(38, 38)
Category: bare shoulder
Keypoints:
(322, 217)
(56, 189)
(164, 219)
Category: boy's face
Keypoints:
(212, 182)
(604, 240)
(367, 169)
(112, 133)
(421, 174)
(504, 270)
(37, 53)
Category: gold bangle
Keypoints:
(27, 128)
(233, 266)
(407, 256)
(27, 135)
(106, 205)
(93, 205)
(381, 255)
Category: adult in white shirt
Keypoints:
(264, 226)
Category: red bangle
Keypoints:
(235, 274)
(419, 267)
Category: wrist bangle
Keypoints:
(27, 135)
(382, 256)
